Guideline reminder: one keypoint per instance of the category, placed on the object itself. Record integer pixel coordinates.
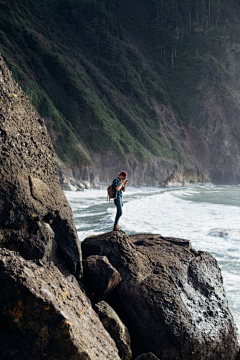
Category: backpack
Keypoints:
(111, 193)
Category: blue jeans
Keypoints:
(119, 206)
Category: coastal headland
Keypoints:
(113, 297)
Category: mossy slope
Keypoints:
(102, 71)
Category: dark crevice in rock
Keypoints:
(147, 356)
(100, 276)
(2, 119)
(67, 244)
(3, 135)
(32, 191)
(139, 243)
(136, 345)
(116, 328)
(238, 356)
(49, 217)
(9, 344)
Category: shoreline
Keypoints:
(210, 226)
(82, 185)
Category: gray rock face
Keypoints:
(171, 297)
(35, 218)
(155, 172)
(116, 329)
(148, 356)
(100, 275)
(46, 315)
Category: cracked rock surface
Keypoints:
(171, 297)
(100, 276)
(116, 329)
(45, 315)
(44, 311)
(35, 218)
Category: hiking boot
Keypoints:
(116, 228)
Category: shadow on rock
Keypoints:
(35, 217)
(46, 315)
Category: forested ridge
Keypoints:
(140, 79)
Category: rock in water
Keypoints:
(35, 218)
(171, 297)
(46, 315)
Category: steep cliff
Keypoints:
(170, 296)
(44, 311)
(35, 217)
(149, 86)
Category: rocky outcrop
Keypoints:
(155, 172)
(171, 297)
(46, 315)
(116, 329)
(100, 276)
(35, 217)
(44, 312)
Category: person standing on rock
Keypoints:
(119, 185)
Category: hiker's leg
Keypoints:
(119, 211)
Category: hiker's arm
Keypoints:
(120, 185)
(125, 185)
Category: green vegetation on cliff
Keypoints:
(131, 77)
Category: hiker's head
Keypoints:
(122, 175)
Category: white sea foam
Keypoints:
(209, 217)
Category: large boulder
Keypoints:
(35, 218)
(100, 276)
(116, 329)
(171, 297)
(46, 315)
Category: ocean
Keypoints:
(208, 216)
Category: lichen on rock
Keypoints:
(45, 314)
